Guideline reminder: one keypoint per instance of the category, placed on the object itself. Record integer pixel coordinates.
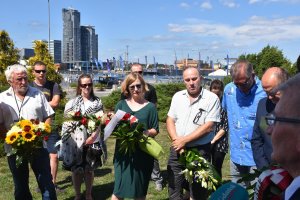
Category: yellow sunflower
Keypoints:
(26, 125)
(28, 136)
(11, 138)
(47, 128)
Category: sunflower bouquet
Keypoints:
(25, 136)
(131, 135)
(199, 169)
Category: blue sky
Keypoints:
(163, 28)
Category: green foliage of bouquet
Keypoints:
(131, 135)
(199, 169)
(25, 136)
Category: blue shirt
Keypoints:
(241, 111)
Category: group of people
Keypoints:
(211, 121)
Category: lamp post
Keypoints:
(49, 25)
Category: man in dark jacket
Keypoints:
(261, 142)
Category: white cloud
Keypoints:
(229, 3)
(255, 30)
(184, 5)
(206, 5)
(271, 1)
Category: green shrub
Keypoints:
(73, 85)
(226, 80)
(165, 93)
(109, 102)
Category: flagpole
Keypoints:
(49, 25)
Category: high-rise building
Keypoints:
(71, 35)
(55, 50)
(89, 43)
(26, 53)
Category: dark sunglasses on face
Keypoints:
(138, 72)
(271, 119)
(39, 71)
(137, 86)
(84, 85)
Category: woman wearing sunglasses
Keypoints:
(133, 171)
(82, 168)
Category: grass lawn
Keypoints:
(104, 176)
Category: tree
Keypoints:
(269, 56)
(9, 55)
(298, 64)
(42, 54)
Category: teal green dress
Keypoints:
(133, 172)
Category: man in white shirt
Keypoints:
(21, 101)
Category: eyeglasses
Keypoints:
(271, 119)
(20, 79)
(137, 86)
(138, 72)
(242, 85)
(39, 71)
(87, 84)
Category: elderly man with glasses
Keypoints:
(22, 101)
(261, 142)
(240, 100)
(284, 128)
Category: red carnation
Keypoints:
(107, 121)
(126, 116)
(46, 138)
(38, 133)
(83, 121)
(77, 114)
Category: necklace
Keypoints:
(21, 106)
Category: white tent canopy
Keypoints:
(219, 72)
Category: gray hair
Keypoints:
(237, 67)
(11, 69)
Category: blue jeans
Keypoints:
(40, 165)
(237, 171)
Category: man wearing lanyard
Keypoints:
(190, 124)
(21, 101)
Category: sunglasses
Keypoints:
(271, 119)
(138, 72)
(39, 71)
(85, 85)
(137, 86)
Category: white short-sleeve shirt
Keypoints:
(33, 106)
(189, 116)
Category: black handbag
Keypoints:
(93, 155)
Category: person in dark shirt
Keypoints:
(52, 92)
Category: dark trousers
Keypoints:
(177, 181)
(40, 165)
(156, 176)
(217, 159)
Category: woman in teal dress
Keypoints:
(133, 172)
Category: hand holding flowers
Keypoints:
(199, 169)
(25, 136)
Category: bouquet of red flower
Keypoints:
(131, 136)
(25, 136)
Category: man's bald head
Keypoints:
(272, 78)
